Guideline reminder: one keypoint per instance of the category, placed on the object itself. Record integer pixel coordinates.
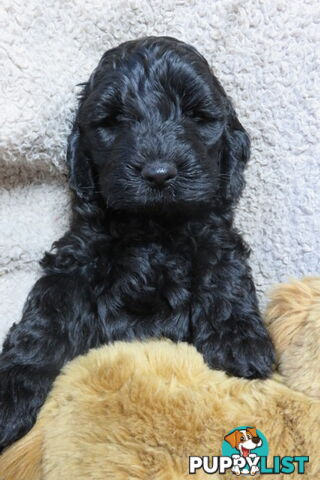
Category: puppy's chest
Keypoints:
(146, 281)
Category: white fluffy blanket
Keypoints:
(265, 52)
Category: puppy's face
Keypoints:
(244, 440)
(155, 130)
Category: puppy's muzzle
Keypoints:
(159, 173)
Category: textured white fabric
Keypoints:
(265, 52)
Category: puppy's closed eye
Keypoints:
(200, 116)
(110, 121)
(209, 126)
(203, 116)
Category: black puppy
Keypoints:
(156, 160)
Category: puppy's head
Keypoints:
(155, 130)
(244, 440)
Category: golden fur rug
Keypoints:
(293, 318)
(137, 411)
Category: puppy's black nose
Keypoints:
(256, 440)
(159, 173)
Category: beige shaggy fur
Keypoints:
(293, 318)
(137, 411)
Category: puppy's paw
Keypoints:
(252, 357)
(254, 469)
(13, 425)
(236, 470)
(17, 414)
(243, 352)
(8, 427)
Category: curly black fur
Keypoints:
(143, 259)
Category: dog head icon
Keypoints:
(244, 440)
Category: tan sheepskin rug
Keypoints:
(293, 318)
(138, 411)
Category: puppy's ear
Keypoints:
(253, 431)
(234, 158)
(232, 439)
(80, 171)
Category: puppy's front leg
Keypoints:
(57, 325)
(230, 332)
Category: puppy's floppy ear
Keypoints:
(234, 158)
(232, 439)
(253, 431)
(80, 171)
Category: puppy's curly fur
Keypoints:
(156, 159)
